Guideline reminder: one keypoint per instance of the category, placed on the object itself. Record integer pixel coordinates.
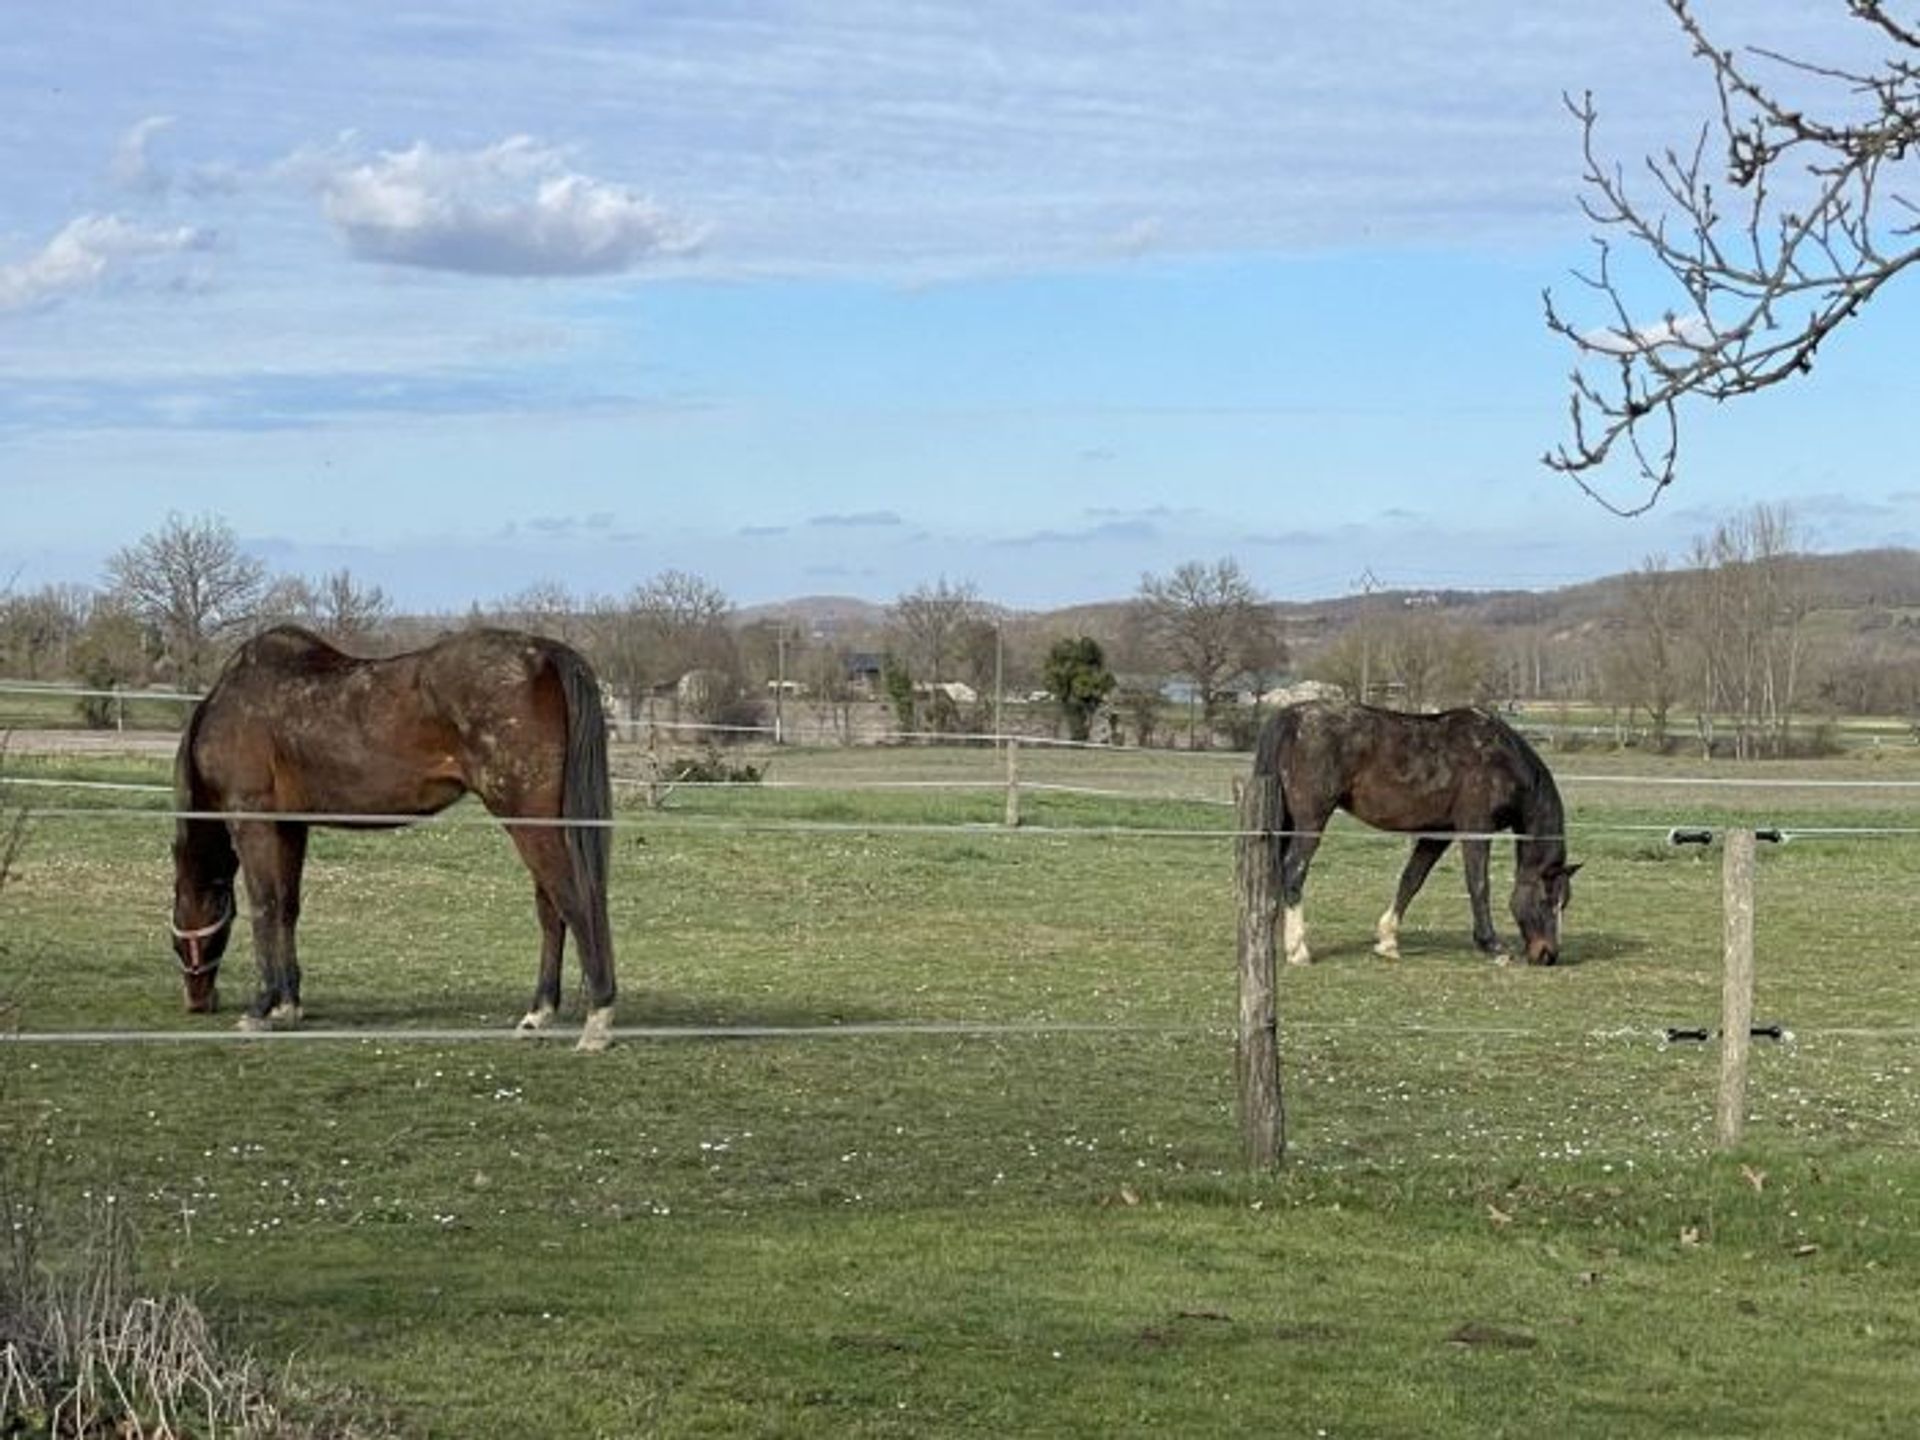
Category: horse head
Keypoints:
(202, 918)
(1539, 897)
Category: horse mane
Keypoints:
(186, 775)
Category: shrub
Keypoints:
(710, 767)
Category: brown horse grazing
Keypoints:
(295, 728)
(1461, 772)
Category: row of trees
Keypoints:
(1720, 635)
(175, 601)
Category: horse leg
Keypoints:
(553, 939)
(562, 908)
(272, 857)
(1294, 861)
(1474, 853)
(1427, 850)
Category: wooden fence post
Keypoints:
(1013, 782)
(1263, 1129)
(1736, 990)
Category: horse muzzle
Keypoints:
(1542, 952)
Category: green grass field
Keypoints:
(1500, 1212)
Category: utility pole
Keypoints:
(780, 683)
(999, 689)
(1368, 583)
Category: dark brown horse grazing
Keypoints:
(295, 728)
(1461, 772)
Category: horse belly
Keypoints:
(1402, 804)
(353, 779)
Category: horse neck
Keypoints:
(203, 853)
(203, 856)
(1543, 823)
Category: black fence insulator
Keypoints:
(1700, 1032)
(1701, 835)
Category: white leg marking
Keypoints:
(284, 1016)
(249, 1021)
(538, 1018)
(1386, 942)
(597, 1034)
(1293, 925)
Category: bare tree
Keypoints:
(1747, 628)
(546, 607)
(830, 690)
(347, 610)
(666, 628)
(1649, 662)
(1207, 623)
(1784, 604)
(192, 585)
(1436, 661)
(336, 606)
(930, 622)
(1767, 233)
(685, 617)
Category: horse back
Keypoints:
(1458, 769)
(295, 724)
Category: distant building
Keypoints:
(865, 669)
(955, 690)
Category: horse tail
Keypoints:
(587, 794)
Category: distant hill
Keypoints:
(818, 614)
(1873, 584)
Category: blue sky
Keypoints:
(847, 298)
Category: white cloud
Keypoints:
(133, 167)
(513, 208)
(136, 170)
(1685, 331)
(84, 253)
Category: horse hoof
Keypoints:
(1299, 957)
(1501, 958)
(1386, 936)
(535, 1021)
(597, 1034)
(251, 1023)
(284, 1016)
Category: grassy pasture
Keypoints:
(1500, 1212)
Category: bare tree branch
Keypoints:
(1759, 270)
